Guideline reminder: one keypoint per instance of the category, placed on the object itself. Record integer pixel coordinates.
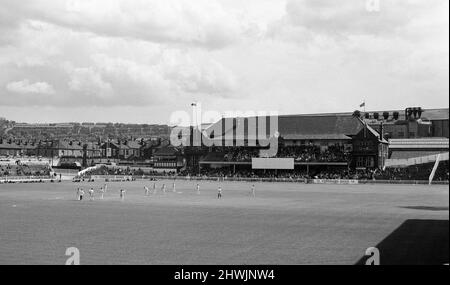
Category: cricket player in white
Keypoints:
(91, 194)
(102, 192)
(253, 191)
(81, 194)
(147, 191)
(122, 194)
(198, 189)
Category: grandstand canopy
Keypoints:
(419, 143)
(414, 148)
(411, 154)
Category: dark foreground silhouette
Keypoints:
(415, 242)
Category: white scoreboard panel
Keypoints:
(272, 163)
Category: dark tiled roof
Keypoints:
(106, 144)
(62, 144)
(6, 145)
(15, 145)
(133, 144)
(123, 146)
(166, 151)
(435, 114)
(320, 126)
(377, 134)
(92, 146)
(311, 127)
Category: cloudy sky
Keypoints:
(138, 61)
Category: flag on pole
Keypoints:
(363, 104)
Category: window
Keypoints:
(370, 162)
(363, 161)
(360, 161)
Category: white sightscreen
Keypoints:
(272, 163)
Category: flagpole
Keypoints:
(364, 105)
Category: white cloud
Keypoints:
(202, 22)
(93, 70)
(24, 86)
(351, 17)
(195, 74)
(297, 56)
(89, 82)
(404, 39)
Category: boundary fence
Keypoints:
(112, 178)
(25, 179)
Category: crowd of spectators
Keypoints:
(7, 169)
(314, 153)
(307, 153)
(125, 171)
(240, 154)
(105, 170)
(418, 172)
(291, 174)
(411, 173)
(24, 170)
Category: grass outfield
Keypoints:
(285, 224)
